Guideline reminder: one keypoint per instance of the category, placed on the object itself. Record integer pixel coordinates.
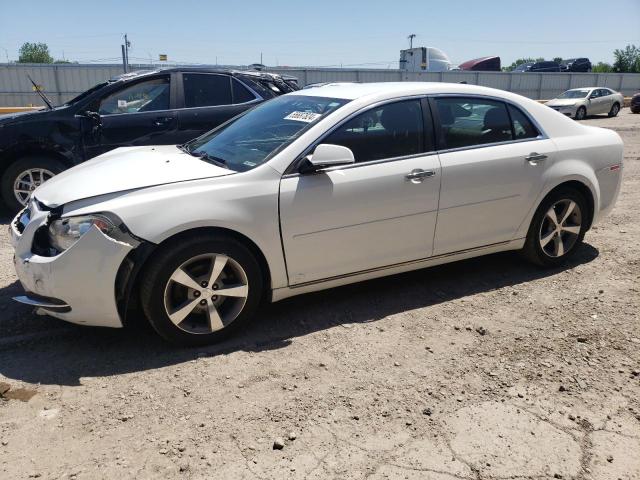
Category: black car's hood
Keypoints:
(19, 117)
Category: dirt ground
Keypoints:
(487, 368)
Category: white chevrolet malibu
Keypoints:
(312, 190)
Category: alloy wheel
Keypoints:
(206, 293)
(27, 181)
(581, 113)
(560, 228)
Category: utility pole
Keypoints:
(411, 37)
(127, 44)
(124, 59)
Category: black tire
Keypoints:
(173, 255)
(15, 170)
(533, 250)
(581, 113)
(615, 109)
(635, 110)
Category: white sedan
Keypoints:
(312, 190)
(580, 102)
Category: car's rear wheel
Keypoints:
(199, 290)
(581, 113)
(557, 228)
(22, 177)
(615, 108)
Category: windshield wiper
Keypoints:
(220, 162)
(44, 98)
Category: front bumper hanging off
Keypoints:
(77, 285)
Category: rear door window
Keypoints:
(241, 94)
(522, 126)
(206, 90)
(145, 96)
(389, 131)
(465, 122)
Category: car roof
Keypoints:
(352, 91)
(226, 71)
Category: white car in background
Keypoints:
(580, 102)
(312, 190)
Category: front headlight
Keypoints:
(64, 232)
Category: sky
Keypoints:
(349, 33)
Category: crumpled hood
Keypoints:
(17, 117)
(122, 169)
(569, 102)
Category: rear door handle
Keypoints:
(535, 157)
(419, 175)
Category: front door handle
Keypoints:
(535, 157)
(418, 175)
(162, 121)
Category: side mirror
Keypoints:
(326, 155)
(95, 116)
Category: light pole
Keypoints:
(6, 53)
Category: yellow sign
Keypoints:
(163, 57)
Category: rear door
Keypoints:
(493, 158)
(208, 100)
(138, 113)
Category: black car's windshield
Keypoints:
(86, 93)
(250, 140)
(574, 94)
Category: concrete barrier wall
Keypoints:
(63, 82)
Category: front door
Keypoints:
(137, 114)
(377, 212)
(493, 161)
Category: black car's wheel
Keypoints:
(557, 228)
(201, 289)
(22, 177)
(635, 110)
(615, 108)
(581, 113)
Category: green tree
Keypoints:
(602, 67)
(34, 53)
(627, 60)
(557, 59)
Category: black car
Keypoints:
(576, 65)
(635, 103)
(537, 67)
(161, 107)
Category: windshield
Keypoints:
(253, 138)
(86, 94)
(574, 94)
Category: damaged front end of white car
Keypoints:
(67, 264)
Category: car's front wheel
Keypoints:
(200, 289)
(557, 228)
(581, 113)
(21, 178)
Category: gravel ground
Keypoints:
(487, 368)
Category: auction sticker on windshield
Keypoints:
(307, 117)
